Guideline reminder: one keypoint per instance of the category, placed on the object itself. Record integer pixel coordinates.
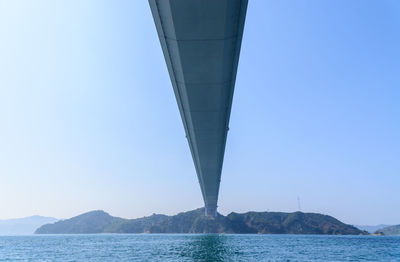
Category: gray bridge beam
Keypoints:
(201, 42)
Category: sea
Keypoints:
(193, 247)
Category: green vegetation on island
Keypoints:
(195, 222)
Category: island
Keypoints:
(196, 222)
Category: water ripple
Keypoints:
(131, 247)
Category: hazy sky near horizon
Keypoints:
(88, 118)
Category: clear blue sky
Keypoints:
(88, 118)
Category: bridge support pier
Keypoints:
(211, 211)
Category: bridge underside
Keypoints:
(201, 42)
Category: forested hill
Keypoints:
(195, 222)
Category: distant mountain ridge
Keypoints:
(371, 229)
(23, 226)
(195, 222)
(389, 231)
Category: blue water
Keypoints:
(198, 248)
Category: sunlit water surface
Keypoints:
(198, 248)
